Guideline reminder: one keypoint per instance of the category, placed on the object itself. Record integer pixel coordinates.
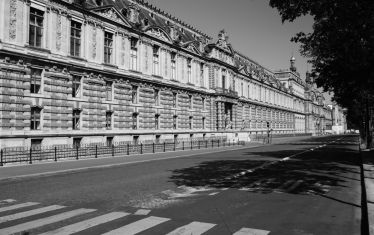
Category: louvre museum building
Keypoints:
(105, 71)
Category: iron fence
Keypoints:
(66, 152)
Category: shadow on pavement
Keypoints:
(314, 172)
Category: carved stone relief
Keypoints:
(13, 19)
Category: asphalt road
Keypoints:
(311, 186)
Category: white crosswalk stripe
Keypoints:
(29, 213)
(251, 231)
(86, 224)
(194, 228)
(44, 221)
(18, 206)
(138, 226)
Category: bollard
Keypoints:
(30, 160)
(1, 158)
(96, 151)
(77, 157)
(141, 148)
(112, 150)
(128, 149)
(153, 145)
(55, 154)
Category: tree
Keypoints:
(340, 49)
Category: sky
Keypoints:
(254, 28)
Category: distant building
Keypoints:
(83, 72)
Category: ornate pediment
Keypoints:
(112, 14)
(191, 47)
(159, 33)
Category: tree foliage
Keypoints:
(341, 46)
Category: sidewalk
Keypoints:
(368, 168)
(47, 168)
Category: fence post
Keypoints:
(174, 145)
(191, 144)
(218, 143)
(199, 144)
(55, 154)
(206, 144)
(1, 158)
(77, 152)
(229, 143)
(128, 149)
(183, 145)
(96, 151)
(164, 146)
(153, 145)
(212, 143)
(113, 150)
(30, 160)
(141, 148)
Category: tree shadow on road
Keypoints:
(314, 172)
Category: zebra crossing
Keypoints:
(19, 217)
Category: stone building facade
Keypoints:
(81, 72)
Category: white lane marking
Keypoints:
(224, 189)
(29, 213)
(194, 228)
(18, 206)
(142, 212)
(251, 231)
(8, 201)
(285, 159)
(138, 226)
(44, 221)
(212, 194)
(86, 224)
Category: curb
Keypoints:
(368, 191)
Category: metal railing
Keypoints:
(65, 152)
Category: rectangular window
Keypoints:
(36, 78)
(157, 97)
(35, 118)
(36, 27)
(190, 98)
(76, 119)
(202, 75)
(157, 121)
(135, 121)
(77, 142)
(175, 98)
(108, 119)
(156, 64)
(75, 38)
(76, 91)
(134, 54)
(189, 75)
(109, 141)
(190, 122)
(223, 82)
(173, 66)
(203, 103)
(134, 94)
(175, 120)
(108, 47)
(109, 90)
(36, 144)
(203, 123)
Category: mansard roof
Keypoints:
(150, 16)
